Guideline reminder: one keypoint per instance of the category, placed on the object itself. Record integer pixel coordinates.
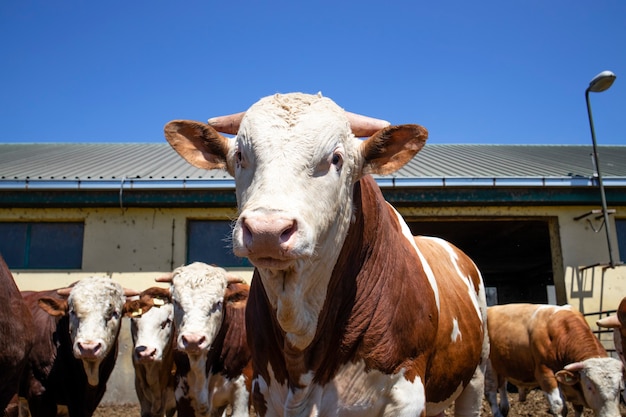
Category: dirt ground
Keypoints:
(535, 406)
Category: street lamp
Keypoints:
(599, 83)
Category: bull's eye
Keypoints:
(114, 314)
(337, 160)
(239, 159)
(166, 323)
(216, 307)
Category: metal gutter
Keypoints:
(229, 184)
(508, 182)
(125, 184)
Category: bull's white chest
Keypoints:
(353, 392)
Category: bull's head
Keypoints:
(295, 159)
(95, 306)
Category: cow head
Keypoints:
(151, 324)
(295, 159)
(198, 295)
(95, 307)
(594, 383)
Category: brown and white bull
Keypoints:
(209, 313)
(554, 348)
(16, 340)
(77, 331)
(348, 314)
(154, 339)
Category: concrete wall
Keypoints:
(135, 245)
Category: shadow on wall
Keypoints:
(597, 288)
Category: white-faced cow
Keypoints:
(16, 340)
(153, 334)
(348, 314)
(209, 314)
(76, 346)
(554, 348)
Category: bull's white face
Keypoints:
(95, 309)
(600, 382)
(197, 294)
(152, 333)
(295, 161)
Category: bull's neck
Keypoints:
(355, 272)
(297, 295)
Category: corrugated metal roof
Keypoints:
(158, 161)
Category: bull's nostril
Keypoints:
(288, 232)
(246, 232)
(193, 341)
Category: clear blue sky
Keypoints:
(495, 72)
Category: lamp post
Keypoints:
(599, 83)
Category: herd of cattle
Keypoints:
(347, 313)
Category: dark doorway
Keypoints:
(514, 256)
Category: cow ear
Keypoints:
(391, 148)
(132, 308)
(53, 306)
(236, 292)
(567, 377)
(609, 322)
(199, 144)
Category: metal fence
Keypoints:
(605, 336)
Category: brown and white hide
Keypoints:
(554, 348)
(348, 314)
(215, 370)
(154, 339)
(76, 346)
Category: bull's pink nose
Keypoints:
(89, 349)
(145, 352)
(193, 342)
(270, 233)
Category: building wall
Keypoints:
(135, 245)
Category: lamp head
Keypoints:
(601, 82)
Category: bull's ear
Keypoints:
(236, 292)
(567, 377)
(54, 306)
(199, 144)
(132, 308)
(610, 322)
(391, 148)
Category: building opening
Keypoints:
(513, 256)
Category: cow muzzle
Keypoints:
(146, 354)
(193, 343)
(88, 349)
(268, 240)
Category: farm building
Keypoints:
(530, 217)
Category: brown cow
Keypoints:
(551, 347)
(76, 346)
(214, 370)
(16, 339)
(154, 338)
(348, 314)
